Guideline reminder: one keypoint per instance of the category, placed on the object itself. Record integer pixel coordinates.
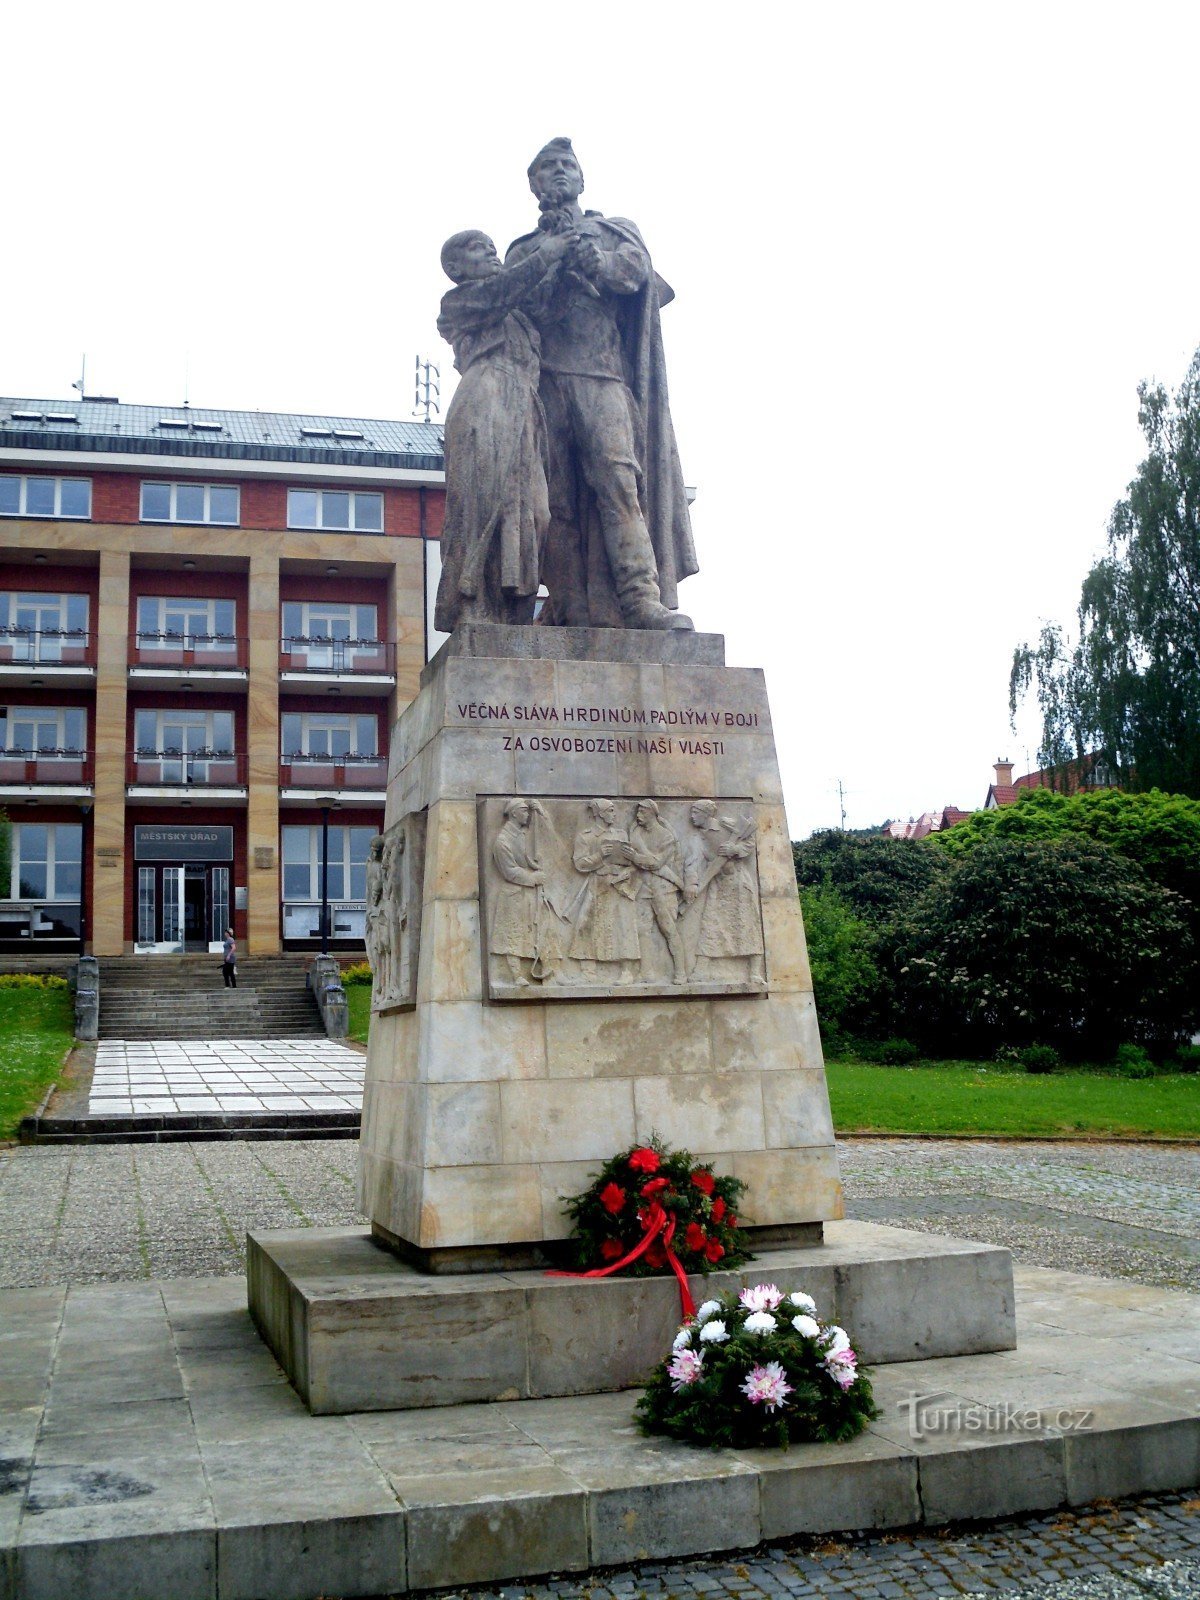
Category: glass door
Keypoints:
(220, 903)
(173, 904)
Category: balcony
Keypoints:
(364, 666)
(177, 777)
(33, 657)
(45, 774)
(352, 780)
(173, 660)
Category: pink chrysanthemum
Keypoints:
(761, 1297)
(685, 1368)
(767, 1386)
(842, 1366)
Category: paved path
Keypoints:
(238, 1075)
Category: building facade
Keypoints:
(209, 623)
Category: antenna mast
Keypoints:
(81, 382)
(428, 389)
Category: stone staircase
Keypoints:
(183, 997)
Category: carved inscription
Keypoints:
(586, 898)
(395, 874)
(631, 730)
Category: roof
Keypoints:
(108, 426)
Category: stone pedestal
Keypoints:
(525, 1032)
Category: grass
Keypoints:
(974, 1098)
(37, 1028)
(358, 1005)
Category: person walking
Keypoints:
(229, 960)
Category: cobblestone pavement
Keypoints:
(93, 1213)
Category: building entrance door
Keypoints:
(182, 907)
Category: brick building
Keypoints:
(209, 623)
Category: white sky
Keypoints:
(923, 254)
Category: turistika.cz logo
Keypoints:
(931, 1414)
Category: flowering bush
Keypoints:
(613, 1214)
(758, 1368)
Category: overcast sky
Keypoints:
(923, 255)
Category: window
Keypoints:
(301, 852)
(188, 623)
(47, 628)
(45, 497)
(340, 510)
(322, 735)
(190, 502)
(323, 635)
(44, 730)
(46, 861)
(184, 747)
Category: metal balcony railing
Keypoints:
(364, 657)
(50, 766)
(297, 771)
(47, 647)
(187, 769)
(212, 651)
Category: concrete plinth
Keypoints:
(501, 1082)
(357, 1330)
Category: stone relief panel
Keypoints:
(582, 899)
(395, 881)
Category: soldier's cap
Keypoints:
(556, 147)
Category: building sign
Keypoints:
(183, 844)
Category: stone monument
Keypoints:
(610, 941)
(582, 913)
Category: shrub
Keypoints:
(876, 878)
(1044, 940)
(1039, 1058)
(845, 977)
(888, 1052)
(1134, 1062)
(1187, 1058)
(358, 972)
(32, 980)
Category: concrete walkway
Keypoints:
(225, 1075)
(153, 1449)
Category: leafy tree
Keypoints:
(845, 976)
(1054, 940)
(1129, 689)
(877, 876)
(1161, 832)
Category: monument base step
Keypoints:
(153, 1448)
(357, 1329)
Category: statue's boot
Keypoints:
(653, 614)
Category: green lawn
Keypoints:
(967, 1097)
(37, 1028)
(358, 1004)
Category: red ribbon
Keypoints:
(656, 1221)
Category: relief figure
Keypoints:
(527, 926)
(656, 854)
(379, 929)
(604, 913)
(720, 882)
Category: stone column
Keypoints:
(262, 756)
(107, 736)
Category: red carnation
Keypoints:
(731, 1221)
(703, 1181)
(612, 1197)
(611, 1249)
(656, 1256)
(713, 1251)
(695, 1238)
(718, 1209)
(655, 1185)
(644, 1160)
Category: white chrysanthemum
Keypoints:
(708, 1309)
(761, 1297)
(806, 1326)
(804, 1302)
(761, 1322)
(714, 1332)
(836, 1340)
(682, 1340)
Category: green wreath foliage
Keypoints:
(607, 1218)
(699, 1392)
